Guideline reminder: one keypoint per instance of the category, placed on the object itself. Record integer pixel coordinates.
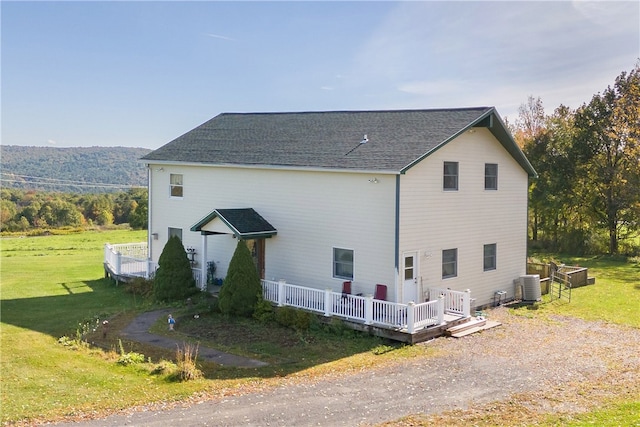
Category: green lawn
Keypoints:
(52, 286)
(614, 298)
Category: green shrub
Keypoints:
(139, 286)
(286, 316)
(130, 358)
(242, 289)
(173, 280)
(164, 368)
(264, 312)
(291, 318)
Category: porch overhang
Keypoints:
(243, 223)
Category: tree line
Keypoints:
(24, 210)
(586, 198)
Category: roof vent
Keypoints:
(365, 139)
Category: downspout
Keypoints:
(397, 238)
(149, 236)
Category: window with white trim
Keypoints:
(490, 255)
(490, 176)
(343, 263)
(449, 263)
(175, 184)
(450, 177)
(175, 232)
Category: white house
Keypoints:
(412, 199)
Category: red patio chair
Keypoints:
(346, 288)
(381, 292)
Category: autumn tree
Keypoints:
(608, 155)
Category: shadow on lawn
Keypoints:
(58, 315)
(284, 349)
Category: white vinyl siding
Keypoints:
(313, 212)
(432, 220)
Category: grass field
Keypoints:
(53, 286)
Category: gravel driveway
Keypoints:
(522, 355)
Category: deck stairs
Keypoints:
(471, 326)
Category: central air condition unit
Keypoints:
(530, 284)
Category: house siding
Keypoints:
(432, 220)
(313, 211)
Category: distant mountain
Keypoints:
(72, 170)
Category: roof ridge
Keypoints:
(409, 110)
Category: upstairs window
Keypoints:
(490, 176)
(490, 257)
(450, 179)
(343, 263)
(175, 185)
(449, 263)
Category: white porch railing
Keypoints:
(455, 302)
(131, 260)
(409, 317)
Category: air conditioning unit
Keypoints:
(530, 284)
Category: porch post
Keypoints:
(327, 302)
(368, 310)
(466, 303)
(118, 263)
(203, 264)
(410, 316)
(281, 295)
(440, 309)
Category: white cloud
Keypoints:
(218, 36)
(51, 142)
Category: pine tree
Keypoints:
(241, 291)
(174, 279)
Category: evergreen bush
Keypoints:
(241, 291)
(173, 280)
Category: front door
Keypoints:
(256, 247)
(410, 277)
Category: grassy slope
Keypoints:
(51, 284)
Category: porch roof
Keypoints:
(244, 223)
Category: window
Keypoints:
(175, 232)
(343, 263)
(490, 176)
(176, 185)
(450, 181)
(490, 257)
(449, 263)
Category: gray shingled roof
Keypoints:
(245, 223)
(396, 139)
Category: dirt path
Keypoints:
(523, 355)
(138, 330)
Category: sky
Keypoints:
(140, 73)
